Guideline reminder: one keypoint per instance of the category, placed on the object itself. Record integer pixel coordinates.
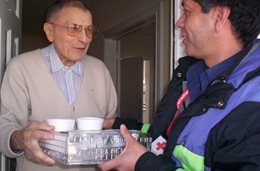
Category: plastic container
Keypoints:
(85, 147)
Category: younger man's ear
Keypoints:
(222, 14)
(48, 29)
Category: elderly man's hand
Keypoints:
(108, 123)
(127, 159)
(27, 140)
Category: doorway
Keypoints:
(136, 72)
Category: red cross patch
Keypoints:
(158, 145)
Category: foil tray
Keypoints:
(88, 147)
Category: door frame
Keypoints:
(161, 14)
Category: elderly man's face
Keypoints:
(69, 32)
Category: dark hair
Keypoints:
(244, 16)
(60, 4)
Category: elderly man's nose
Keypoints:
(83, 36)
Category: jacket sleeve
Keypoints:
(234, 143)
(150, 162)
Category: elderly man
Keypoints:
(59, 81)
(210, 116)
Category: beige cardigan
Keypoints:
(29, 93)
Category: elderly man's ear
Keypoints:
(48, 29)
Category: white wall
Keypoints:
(10, 38)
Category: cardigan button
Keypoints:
(179, 75)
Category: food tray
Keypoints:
(88, 147)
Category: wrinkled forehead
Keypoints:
(74, 15)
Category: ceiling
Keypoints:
(105, 12)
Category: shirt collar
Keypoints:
(199, 75)
(213, 72)
(57, 65)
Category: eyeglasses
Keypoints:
(74, 30)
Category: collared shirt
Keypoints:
(199, 75)
(68, 79)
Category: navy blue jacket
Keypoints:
(232, 144)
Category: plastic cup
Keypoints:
(62, 125)
(89, 123)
